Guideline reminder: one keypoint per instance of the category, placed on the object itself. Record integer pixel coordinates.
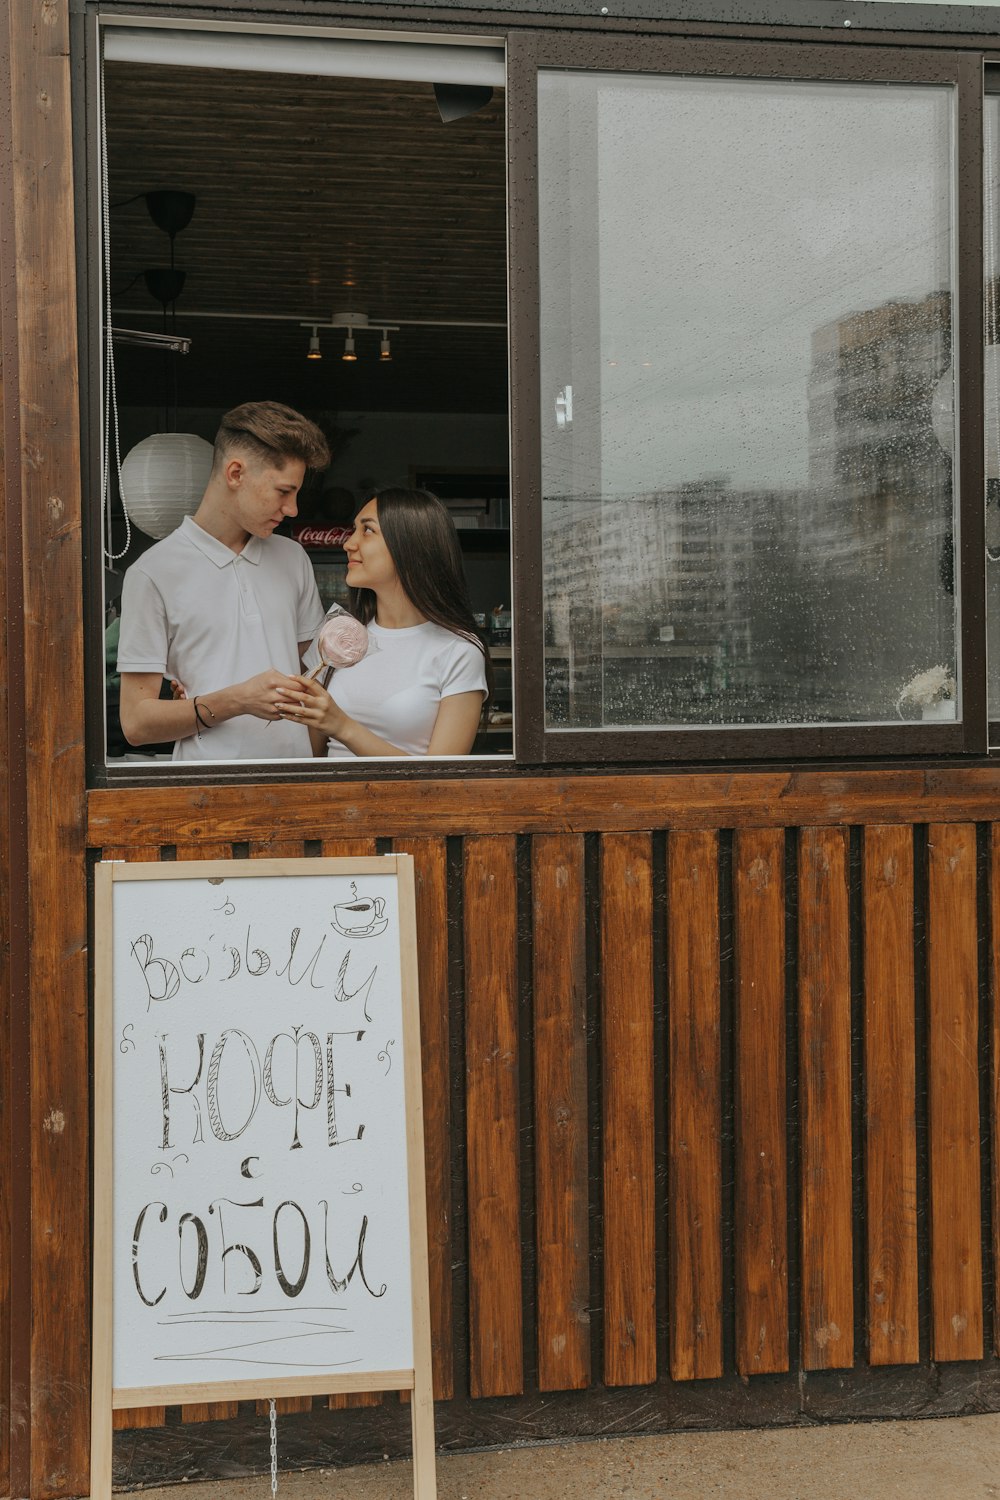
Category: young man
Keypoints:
(224, 607)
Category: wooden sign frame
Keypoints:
(105, 1398)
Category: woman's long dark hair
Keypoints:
(425, 551)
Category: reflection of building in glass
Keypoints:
(667, 607)
(704, 603)
(873, 456)
(877, 523)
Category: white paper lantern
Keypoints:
(163, 480)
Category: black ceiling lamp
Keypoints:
(164, 284)
(171, 211)
(457, 100)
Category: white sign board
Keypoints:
(260, 1215)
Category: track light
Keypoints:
(315, 352)
(349, 354)
(384, 351)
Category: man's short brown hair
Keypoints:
(272, 433)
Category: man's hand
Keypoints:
(262, 696)
(147, 718)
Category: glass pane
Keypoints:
(747, 401)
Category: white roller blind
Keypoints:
(319, 56)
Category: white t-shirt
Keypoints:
(396, 690)
(194, 609)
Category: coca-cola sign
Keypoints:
(314, 538)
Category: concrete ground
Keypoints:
(944, 1459)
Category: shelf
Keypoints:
(471, 538)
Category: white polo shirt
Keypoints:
(195, 610)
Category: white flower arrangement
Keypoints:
(935, 685)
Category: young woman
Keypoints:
(421, 688)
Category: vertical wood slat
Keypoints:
(694, 1195)
(276, 847)
(761, 1150)
(953, 1093)
(559, 950)
(825, 1100)
(492, 1116)
(344, 848)
(628, 1110)
(137, 1416)
(995, 1058)
(206, 1411)
(50, 1434)
(14, 960)
(890, 1097)
(430, 862)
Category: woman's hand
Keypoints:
(305, 702)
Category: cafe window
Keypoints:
(320, 221)
(748, 458)
(751, 502)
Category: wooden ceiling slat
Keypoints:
(303, 184)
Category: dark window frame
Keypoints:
(991, 86)
(573, 42)
(791, 60)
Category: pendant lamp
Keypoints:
(163, 480)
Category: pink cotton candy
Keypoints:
(342, 641)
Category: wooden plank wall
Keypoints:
(855, 975)
(44, 1121)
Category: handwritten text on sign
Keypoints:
(260, 1185)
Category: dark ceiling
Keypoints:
(313, 194)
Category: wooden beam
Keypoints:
(559, 963)
(825, 1095)
(628, 1104)
(761, 1149)
(953, 1094)
(890, 1098)
(518, 803)
(492, 1118)
(40, 345)
(694, 1105)
(14, 1210)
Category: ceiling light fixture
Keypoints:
(174, 343)
(384, 349)
(315, 352)
(349, 354)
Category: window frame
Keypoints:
(991, 88)
(527, 55)
(86, 75)
(576, 44)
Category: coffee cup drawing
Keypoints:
(359, 917)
